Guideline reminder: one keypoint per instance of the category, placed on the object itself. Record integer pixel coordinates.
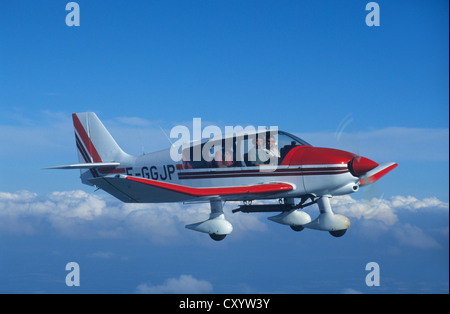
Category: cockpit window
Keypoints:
(259, 149)
(287, 141)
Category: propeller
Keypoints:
(360, 166)
(367, 170)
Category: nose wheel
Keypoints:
(335, 224)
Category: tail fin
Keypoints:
(95, 146)
(94, 143)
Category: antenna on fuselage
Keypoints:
(168, 138)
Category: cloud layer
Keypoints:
(384, 210)
(79, 214)
(185, 284)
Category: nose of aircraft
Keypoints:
(325, 160)
(358, 166)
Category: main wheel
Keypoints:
(338, 233)
(217, 237)
(297, 228)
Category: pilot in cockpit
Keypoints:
(221, 162)
(273, 147)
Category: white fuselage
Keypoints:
(332, 179)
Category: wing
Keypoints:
(139, 190)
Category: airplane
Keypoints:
(293, 169)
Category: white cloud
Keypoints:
(20, 196)
(81, 214)
(380, 216)
(25, 212)
(243, 221)
(185, 284)
(76, 204)
(413, 204)
(377, 209)
(413, 236)
(384, 210)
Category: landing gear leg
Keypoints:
(216, 226)
(335, 224)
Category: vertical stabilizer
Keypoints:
(94, 143)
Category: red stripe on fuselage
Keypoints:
(85, 138)
(261, 173)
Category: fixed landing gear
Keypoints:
(297, 228)
(335, 224)
(338, 233)
(217, 237)
(297, 220)
(216, 226)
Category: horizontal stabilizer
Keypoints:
(87, 165)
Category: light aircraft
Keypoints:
(232, 170)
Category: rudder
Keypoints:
(94, 142)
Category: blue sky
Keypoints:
(311, 68)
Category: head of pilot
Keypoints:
(272, 142)
(259, 142)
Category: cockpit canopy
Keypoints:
(241, 150)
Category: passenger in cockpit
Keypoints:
(221, 162)
(273, 147)
(258, 155)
